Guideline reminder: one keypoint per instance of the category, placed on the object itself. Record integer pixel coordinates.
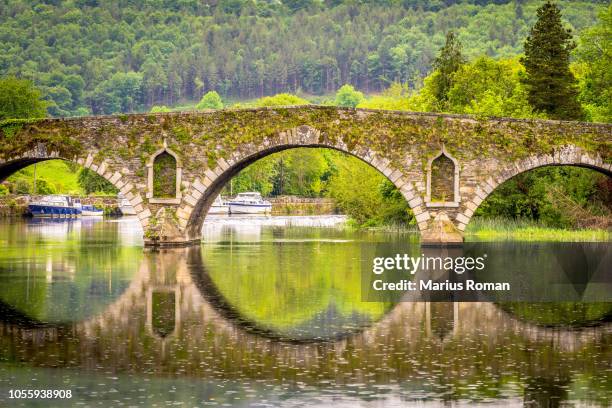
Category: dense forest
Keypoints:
(102, 57)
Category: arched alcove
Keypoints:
(164, 172)
(442, 181)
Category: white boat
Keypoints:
(125, 206)
(249, 203)
(219, 206)
(88, 210)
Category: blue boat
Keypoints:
(57, 206)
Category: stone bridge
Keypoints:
(171, 166)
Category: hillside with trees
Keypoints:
(103, 57)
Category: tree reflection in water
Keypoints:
(174, 321)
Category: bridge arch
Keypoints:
(569, 155)
(203, 190)
(101, 167)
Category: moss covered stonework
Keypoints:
(214, 146)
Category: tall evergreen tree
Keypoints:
(552, 88)
(446, 64)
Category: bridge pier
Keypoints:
(164, 231)
(441, 232)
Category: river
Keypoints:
(275, 312)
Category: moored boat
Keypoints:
(54, 206)
(91, 211)
(249, 203)
(219, 206)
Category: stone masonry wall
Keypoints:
(213, 146)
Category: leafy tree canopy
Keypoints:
(211, 100)
(19, 99)
(283, 99)
(348, 97)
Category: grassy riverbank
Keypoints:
(498, 229)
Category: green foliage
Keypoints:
(551, 86)
(120, 93)
(523, 229)
(160, 109)
(164, 176)
(245, 49)
(52, 177)
(211, 100)
(19, 99)
(393, 98)
(446, 64)
(303, 172)
(594, 69)
(488, 87)
(366, 195)
(526, 196)
(4, 190)
(258, 176)
(348, 97)
(91, 183)
(283, 99)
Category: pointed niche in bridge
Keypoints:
(164, 172)
(442, 181)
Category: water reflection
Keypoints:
(62, 271)
(183, 328)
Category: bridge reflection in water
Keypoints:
(172, 320)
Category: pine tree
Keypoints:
(446, 64)
(551, 86)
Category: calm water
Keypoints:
(270, 312)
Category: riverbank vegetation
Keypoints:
(501, 229)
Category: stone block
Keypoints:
(462, 218)
(395, 175)
(400, 182)
(210, 174)
(191, 200)
(422, 217)
(88, 161)
(102, 168)
(224, 165)
(470, 205)
(198, 186)
(415, 202)
(146, 213)
(126, 188)
(136, 200)
(196, 194)
(115, 177)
